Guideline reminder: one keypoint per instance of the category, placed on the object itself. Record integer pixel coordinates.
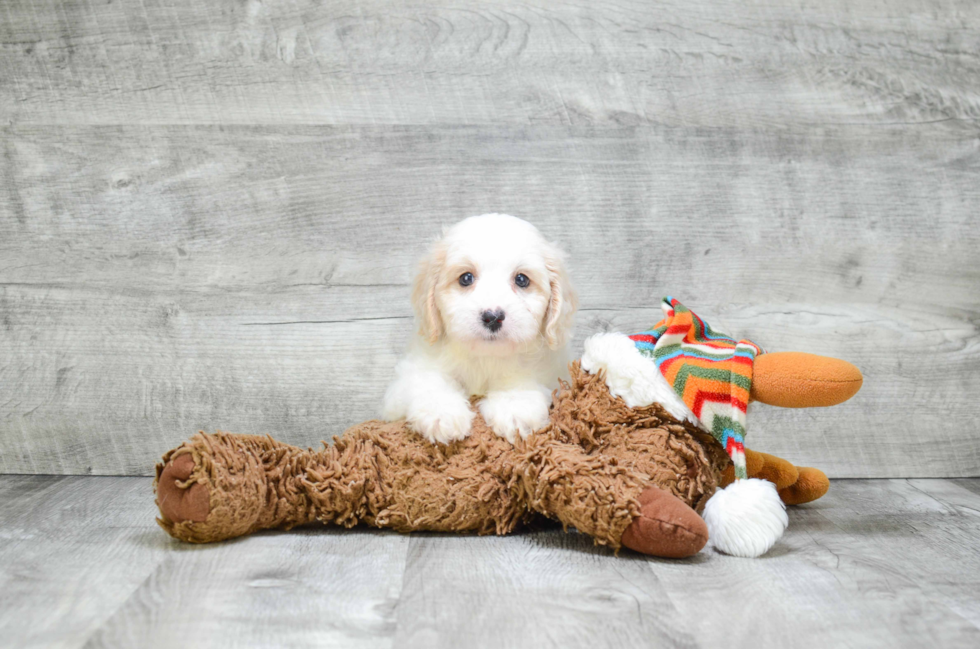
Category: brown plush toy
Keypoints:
(635, 476)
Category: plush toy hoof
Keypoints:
(812, 484)
(666, 527)
(180, 502)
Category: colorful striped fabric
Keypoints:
(710, 371)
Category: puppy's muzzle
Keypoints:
(493, 320)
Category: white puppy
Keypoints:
(495, 308)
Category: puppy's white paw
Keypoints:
(515, 412)
(445, 419)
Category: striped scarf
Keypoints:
(710, 371)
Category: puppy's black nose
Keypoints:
(493, 320)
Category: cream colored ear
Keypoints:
(424, 293)
(563, 303)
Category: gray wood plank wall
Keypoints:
(210, 211)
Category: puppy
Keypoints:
(494, 307)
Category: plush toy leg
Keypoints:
(625, 476)
(686, 472)
(768, 467)
(216, 487)
(605, 498)
(812, 484)
(665, 527)
(796, 485)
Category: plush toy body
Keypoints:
(628, 475)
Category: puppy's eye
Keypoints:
(522, 280)
(466, 279)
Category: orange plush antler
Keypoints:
(796, 380)
(799, 380)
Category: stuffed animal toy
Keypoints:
(640, 442)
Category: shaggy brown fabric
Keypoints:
(587, 469)
(252, 482)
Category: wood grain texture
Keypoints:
(72, 551)
(244, 279)
(209, 212)
(712, 63)
(875, 563)
(324, 588)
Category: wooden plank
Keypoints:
(873, 564)
(960, 562)
(303, 588)
(82, 562)
(888, 563)
(531, 590)
(703, 63)
(157, 280)
(72, 550)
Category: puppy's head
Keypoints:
(493, 284)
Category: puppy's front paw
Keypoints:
(515, 412)
(442, 420)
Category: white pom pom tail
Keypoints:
(746, 518)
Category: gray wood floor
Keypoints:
(876, 563)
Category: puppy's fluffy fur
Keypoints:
(456, 355)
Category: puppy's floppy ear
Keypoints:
(424, 292)
(563, 302)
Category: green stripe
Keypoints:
(720, 423)
(743, 382)
(687, 370)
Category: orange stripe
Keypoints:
(697, 384)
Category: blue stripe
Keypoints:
(728, 432)
(661, 359)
